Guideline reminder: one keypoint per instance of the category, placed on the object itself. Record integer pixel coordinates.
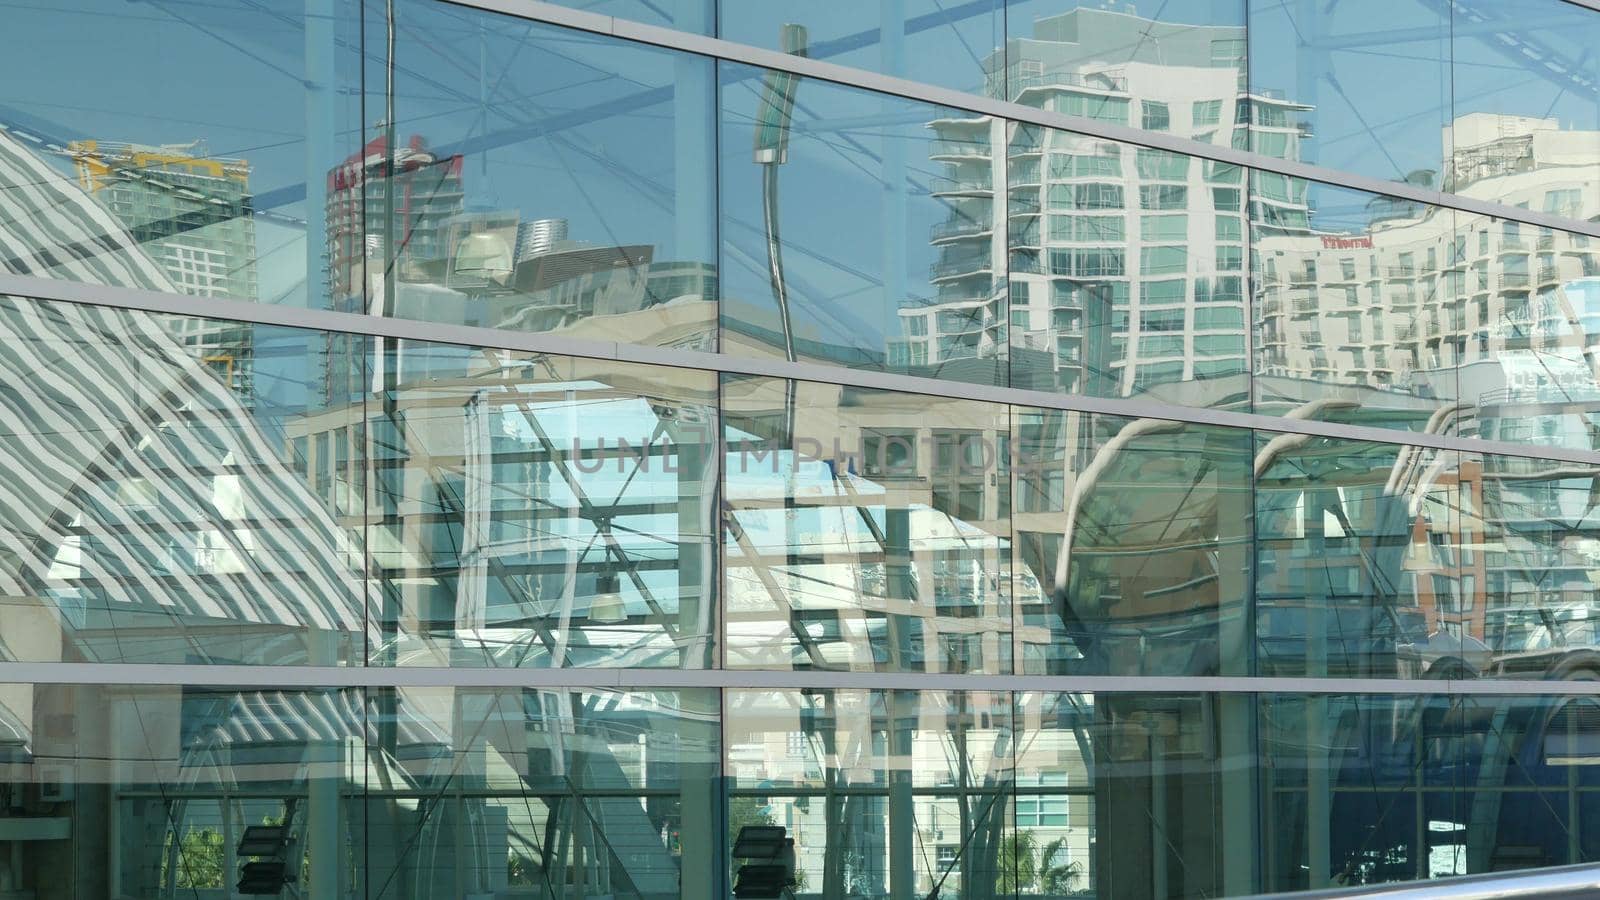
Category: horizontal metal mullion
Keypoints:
(672, 39)
(492, 338)
(350, 677)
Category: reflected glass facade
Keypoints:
(1018, 448)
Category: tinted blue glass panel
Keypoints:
(860, 230)
(533, 178)
(190, 151)
(1360, 86)
(949, 44)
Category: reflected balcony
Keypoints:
(1024, 176)
(960, 150)
(979, 186)
(958, 228)
(961, 267)
(1109, 81)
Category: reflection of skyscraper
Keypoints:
(427, 192)
(191, 211)
(1409, 299)
(192, 214)
(1126, 264)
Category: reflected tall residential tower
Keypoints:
(880, 451)
(1126, 264)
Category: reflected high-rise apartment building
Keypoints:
(418, 187)
(190, 209)
(1127, 265)
(673, 441)
(192, 213)
(497, 266)
(1400, 299)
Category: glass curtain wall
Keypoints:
(447, 453)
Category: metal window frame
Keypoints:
(490, 338)
(849, 76)
(623, 679)
(342, 677)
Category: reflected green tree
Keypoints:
(1058, 873)
(745, 811)
(1025, 867)
(198, 860)
(1018, 868)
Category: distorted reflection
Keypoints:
(549, 794)
(158, 791)
(885, 793)
(1354, 556)
(1157, 791)
(1530, 308)
(196, 791)
(1132, 543)
(167, 515)
(864, 530)
(1494, 101)
(1127, 263)
(1168, 67)
(1380, 311)
(210, 182)
(535, 510)
(1525, 129)
(1356, 315)
(1529, 533)
(533, 179)
(829, 198)
(1127, 270)
(1434, 786)
(931, 41)
(1362, 86)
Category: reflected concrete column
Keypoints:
(95, 832)
(694, 128)
(1311, 62)
(1238, 813)
(321, 70)
(891, 52)
(694, 446)
(1236, 758)
(1319, 797)
(324, 770)
(701, 827)
(1124, 808)
(900, 579)
(700, 821)
(1159, 827)
(902, 810)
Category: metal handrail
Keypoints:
(1557, 883)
